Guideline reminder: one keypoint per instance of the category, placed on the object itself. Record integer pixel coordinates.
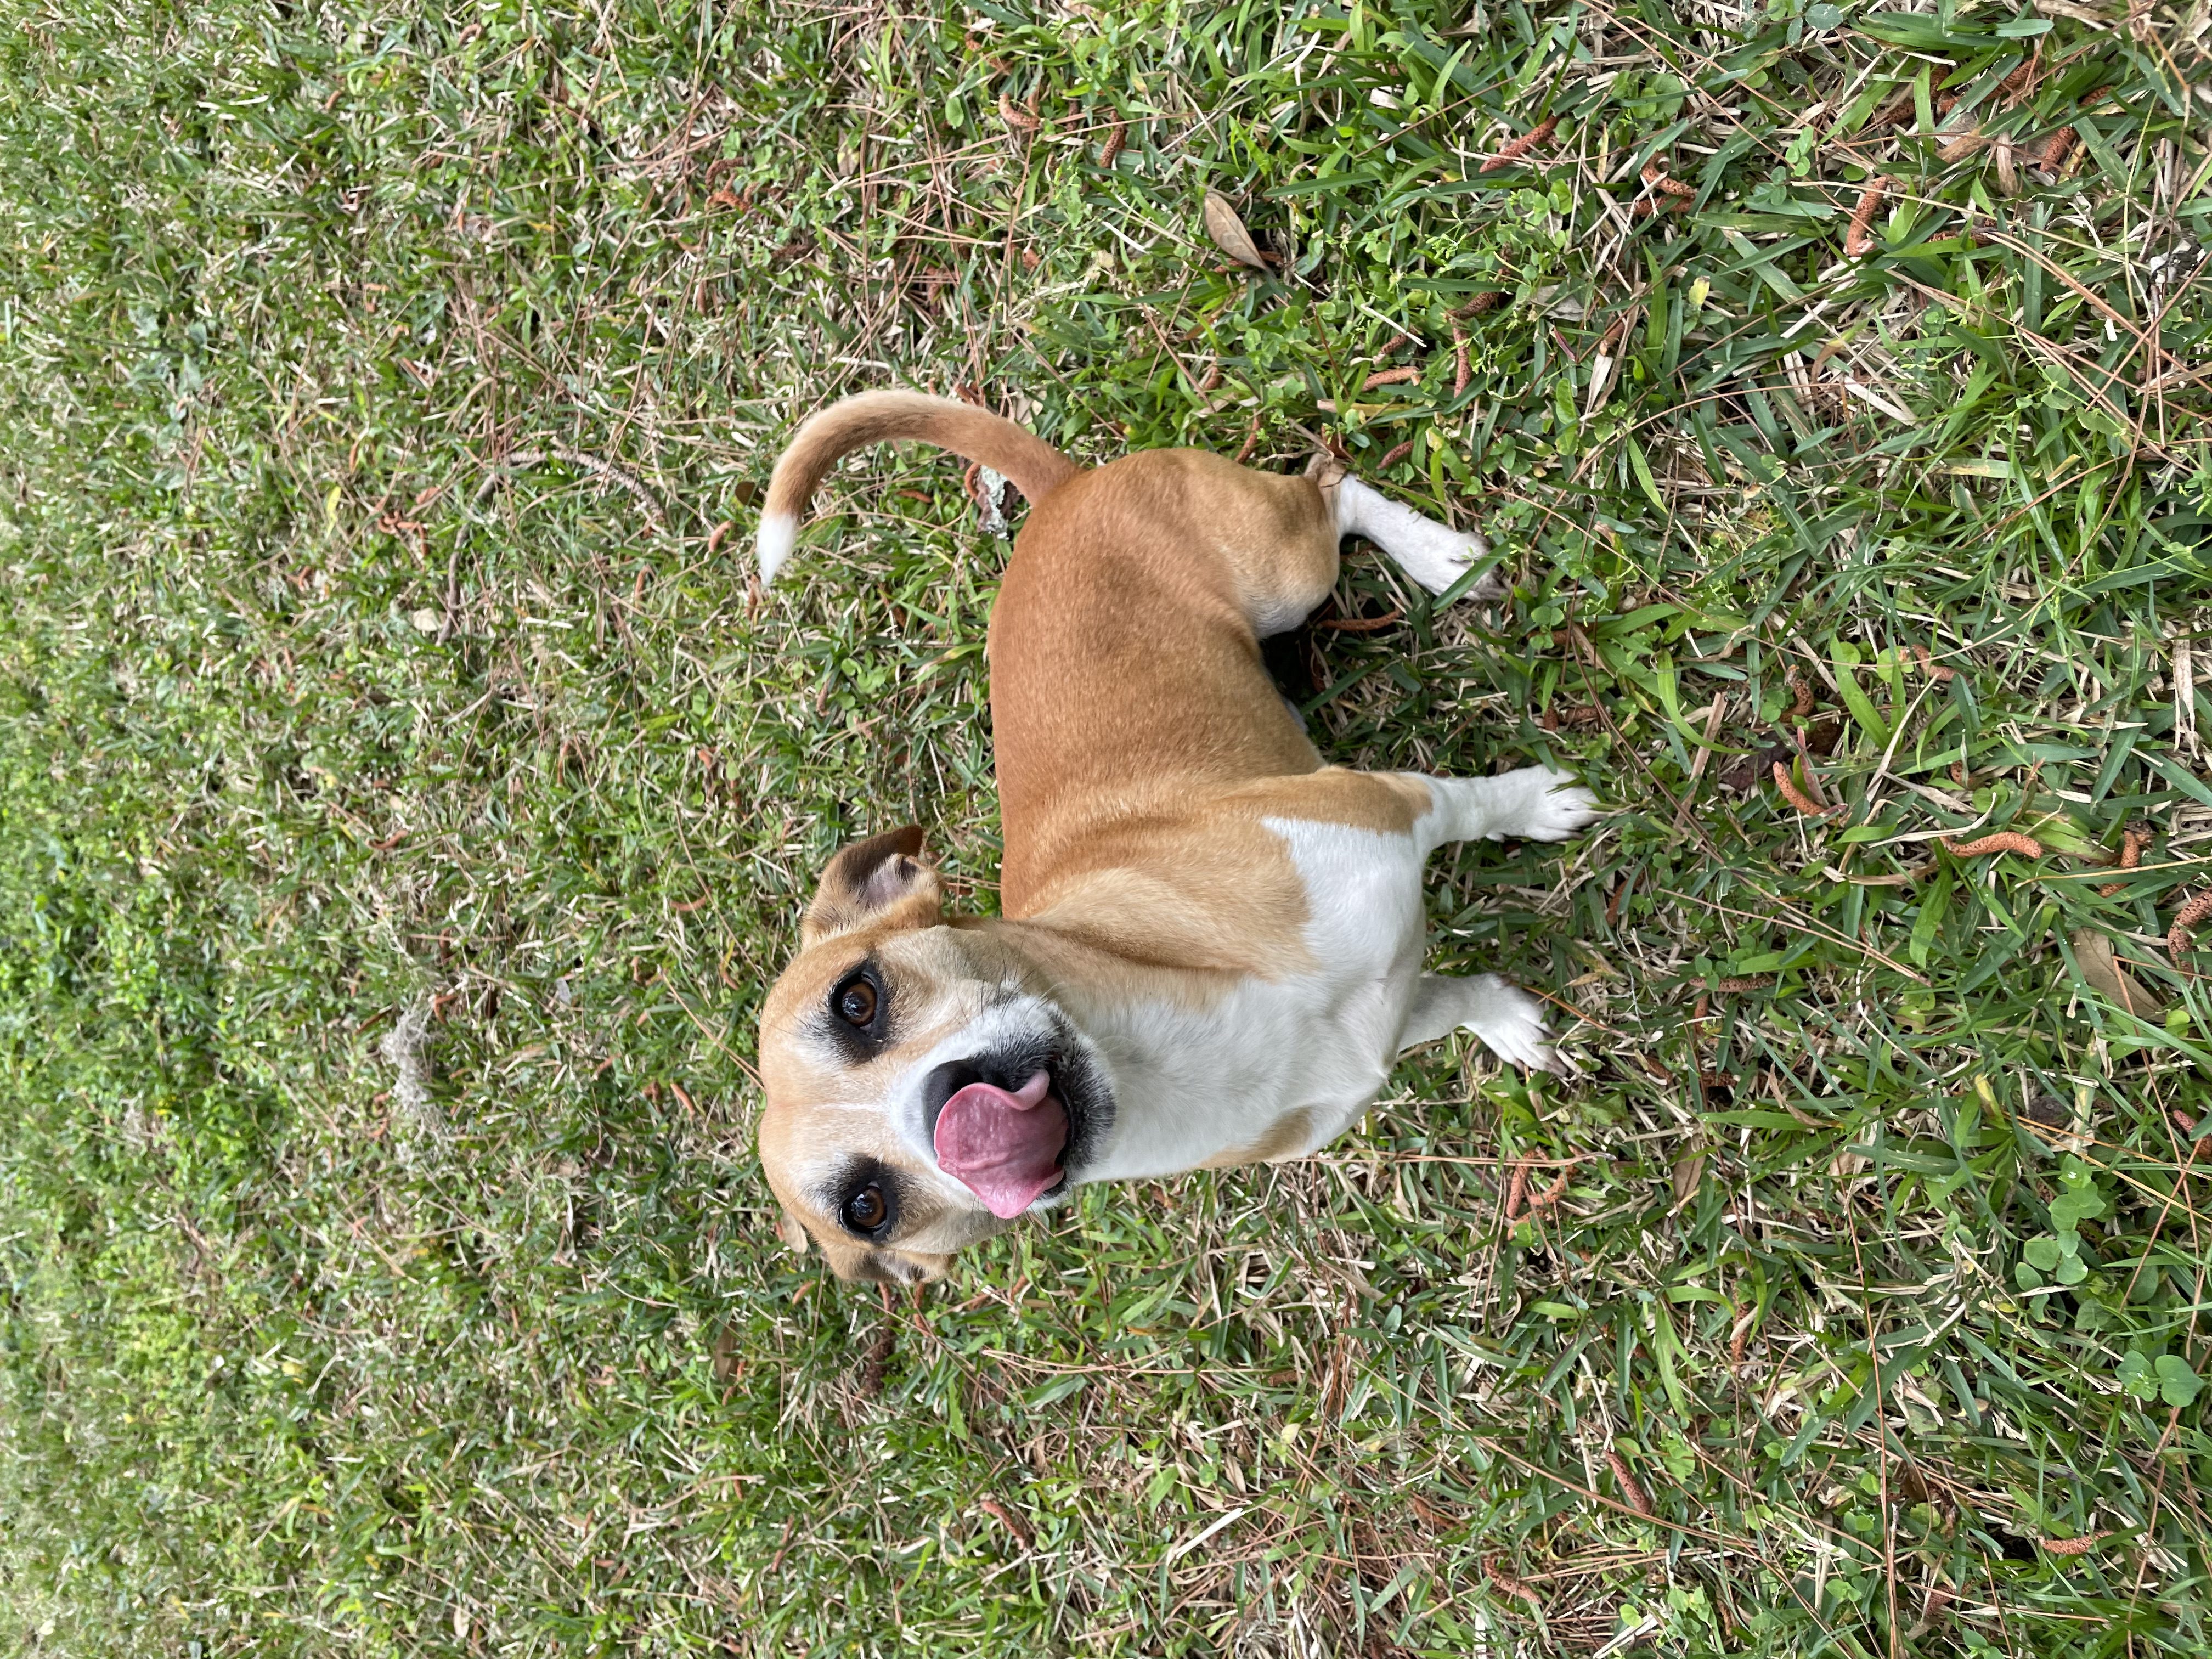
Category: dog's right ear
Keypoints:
(872, 882)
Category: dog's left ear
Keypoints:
(881, 879)
(789, 1229)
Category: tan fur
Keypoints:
(1125, 681)
(873, 417)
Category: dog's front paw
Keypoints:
(1510, 1023)
(1545, 805)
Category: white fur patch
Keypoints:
(1434, 554)
(779, 534)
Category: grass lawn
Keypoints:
(403, 803)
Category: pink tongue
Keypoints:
(999, 1145)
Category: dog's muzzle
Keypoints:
(1018, 1125)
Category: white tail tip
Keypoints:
(779, 534)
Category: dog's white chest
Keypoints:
(1319, 1042)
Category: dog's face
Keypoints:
(921, 1095)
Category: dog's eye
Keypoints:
(855, 1003)
(865, 1210)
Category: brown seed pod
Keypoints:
(2177, 937)
(1962, 145)
(1803, 704)
(2056, 148)
(2005, 841)
(1930, 666)
(1551, 1195)
(1117, 139)
(1394, 454)
(1859, 238)
(1502, 1576)
(1020, 120)
(1521, 146)
(1007, 1518)
(2135, 840)
(1463, 372)
(1638, 1498)
(1797, 797)
(2080, 1546)
(1399, 376)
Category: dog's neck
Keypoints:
(1210, 1067)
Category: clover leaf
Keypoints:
(2176, 1384)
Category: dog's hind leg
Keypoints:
(1434, 554)
(1509, 1022)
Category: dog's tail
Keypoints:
(1036, 467)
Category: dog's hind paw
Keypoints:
(1510, 1023)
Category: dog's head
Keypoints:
(921, 1093)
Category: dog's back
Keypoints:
(1127, 692)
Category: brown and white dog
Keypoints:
(1209, 949)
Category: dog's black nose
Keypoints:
(941, 1084)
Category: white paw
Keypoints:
(1470, 550)
(1437, 556)
(1545, 805)
(1510, 1023)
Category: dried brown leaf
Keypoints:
(2102, 970)
(1689, 1171)
(1227, 229)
